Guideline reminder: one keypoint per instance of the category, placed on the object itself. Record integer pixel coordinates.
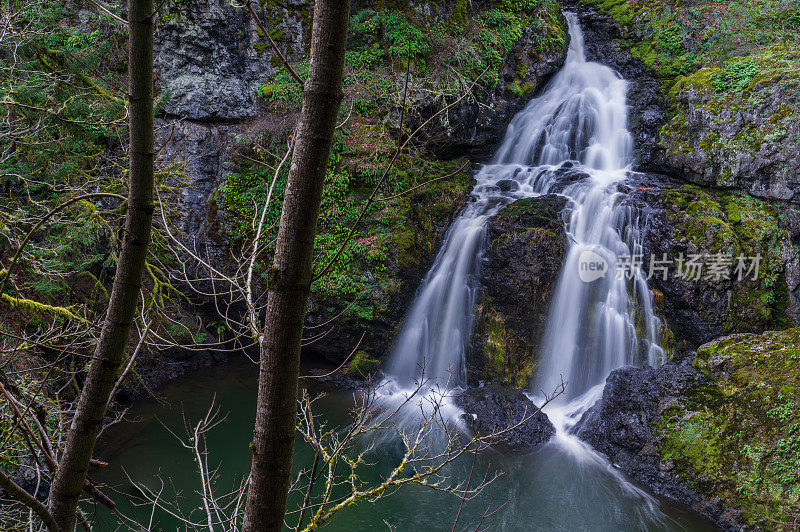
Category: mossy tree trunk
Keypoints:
(290, 279)
(71, 474)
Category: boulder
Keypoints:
(718, 431)
(492, 409)
(623, 426)
(525, 250)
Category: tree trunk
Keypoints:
(74, 463)
(290, 279)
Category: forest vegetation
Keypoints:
(184, 184)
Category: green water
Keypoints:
(549, 490)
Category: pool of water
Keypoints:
(550, 489)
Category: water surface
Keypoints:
(549, 490)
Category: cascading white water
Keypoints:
(572, 140)
(592, 326)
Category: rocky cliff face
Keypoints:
(211, 61)
(687, 222)
(477, 124)
(212, 64)
(728, 143)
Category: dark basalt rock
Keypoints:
(620, 421)
(699, 310)
(507, 185)
(567, 175)
(525, 250)
(619, 426)
(26, 478)
(494, 408)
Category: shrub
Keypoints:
(735, 77)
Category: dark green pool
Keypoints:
(549, 490)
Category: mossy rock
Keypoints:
(362, 365)
(525, 251)
(739, 229)
(738, 437)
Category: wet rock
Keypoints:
(620, 425)
(620, 422)
(507, 185)
(494, 408)
(566, 175)
(341, 380)
(26, 477)
(526, 247)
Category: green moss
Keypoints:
(622, 10)
(735, 76)
(420, 215)
(460, 13)
(737, 225)
(361, 365)
(444, 57)
(522, 89)
(401, 228)
(738, 436)
(730, 56)
(40, 309)
(505, 357)
(540, 210)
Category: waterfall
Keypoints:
(572, 140)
